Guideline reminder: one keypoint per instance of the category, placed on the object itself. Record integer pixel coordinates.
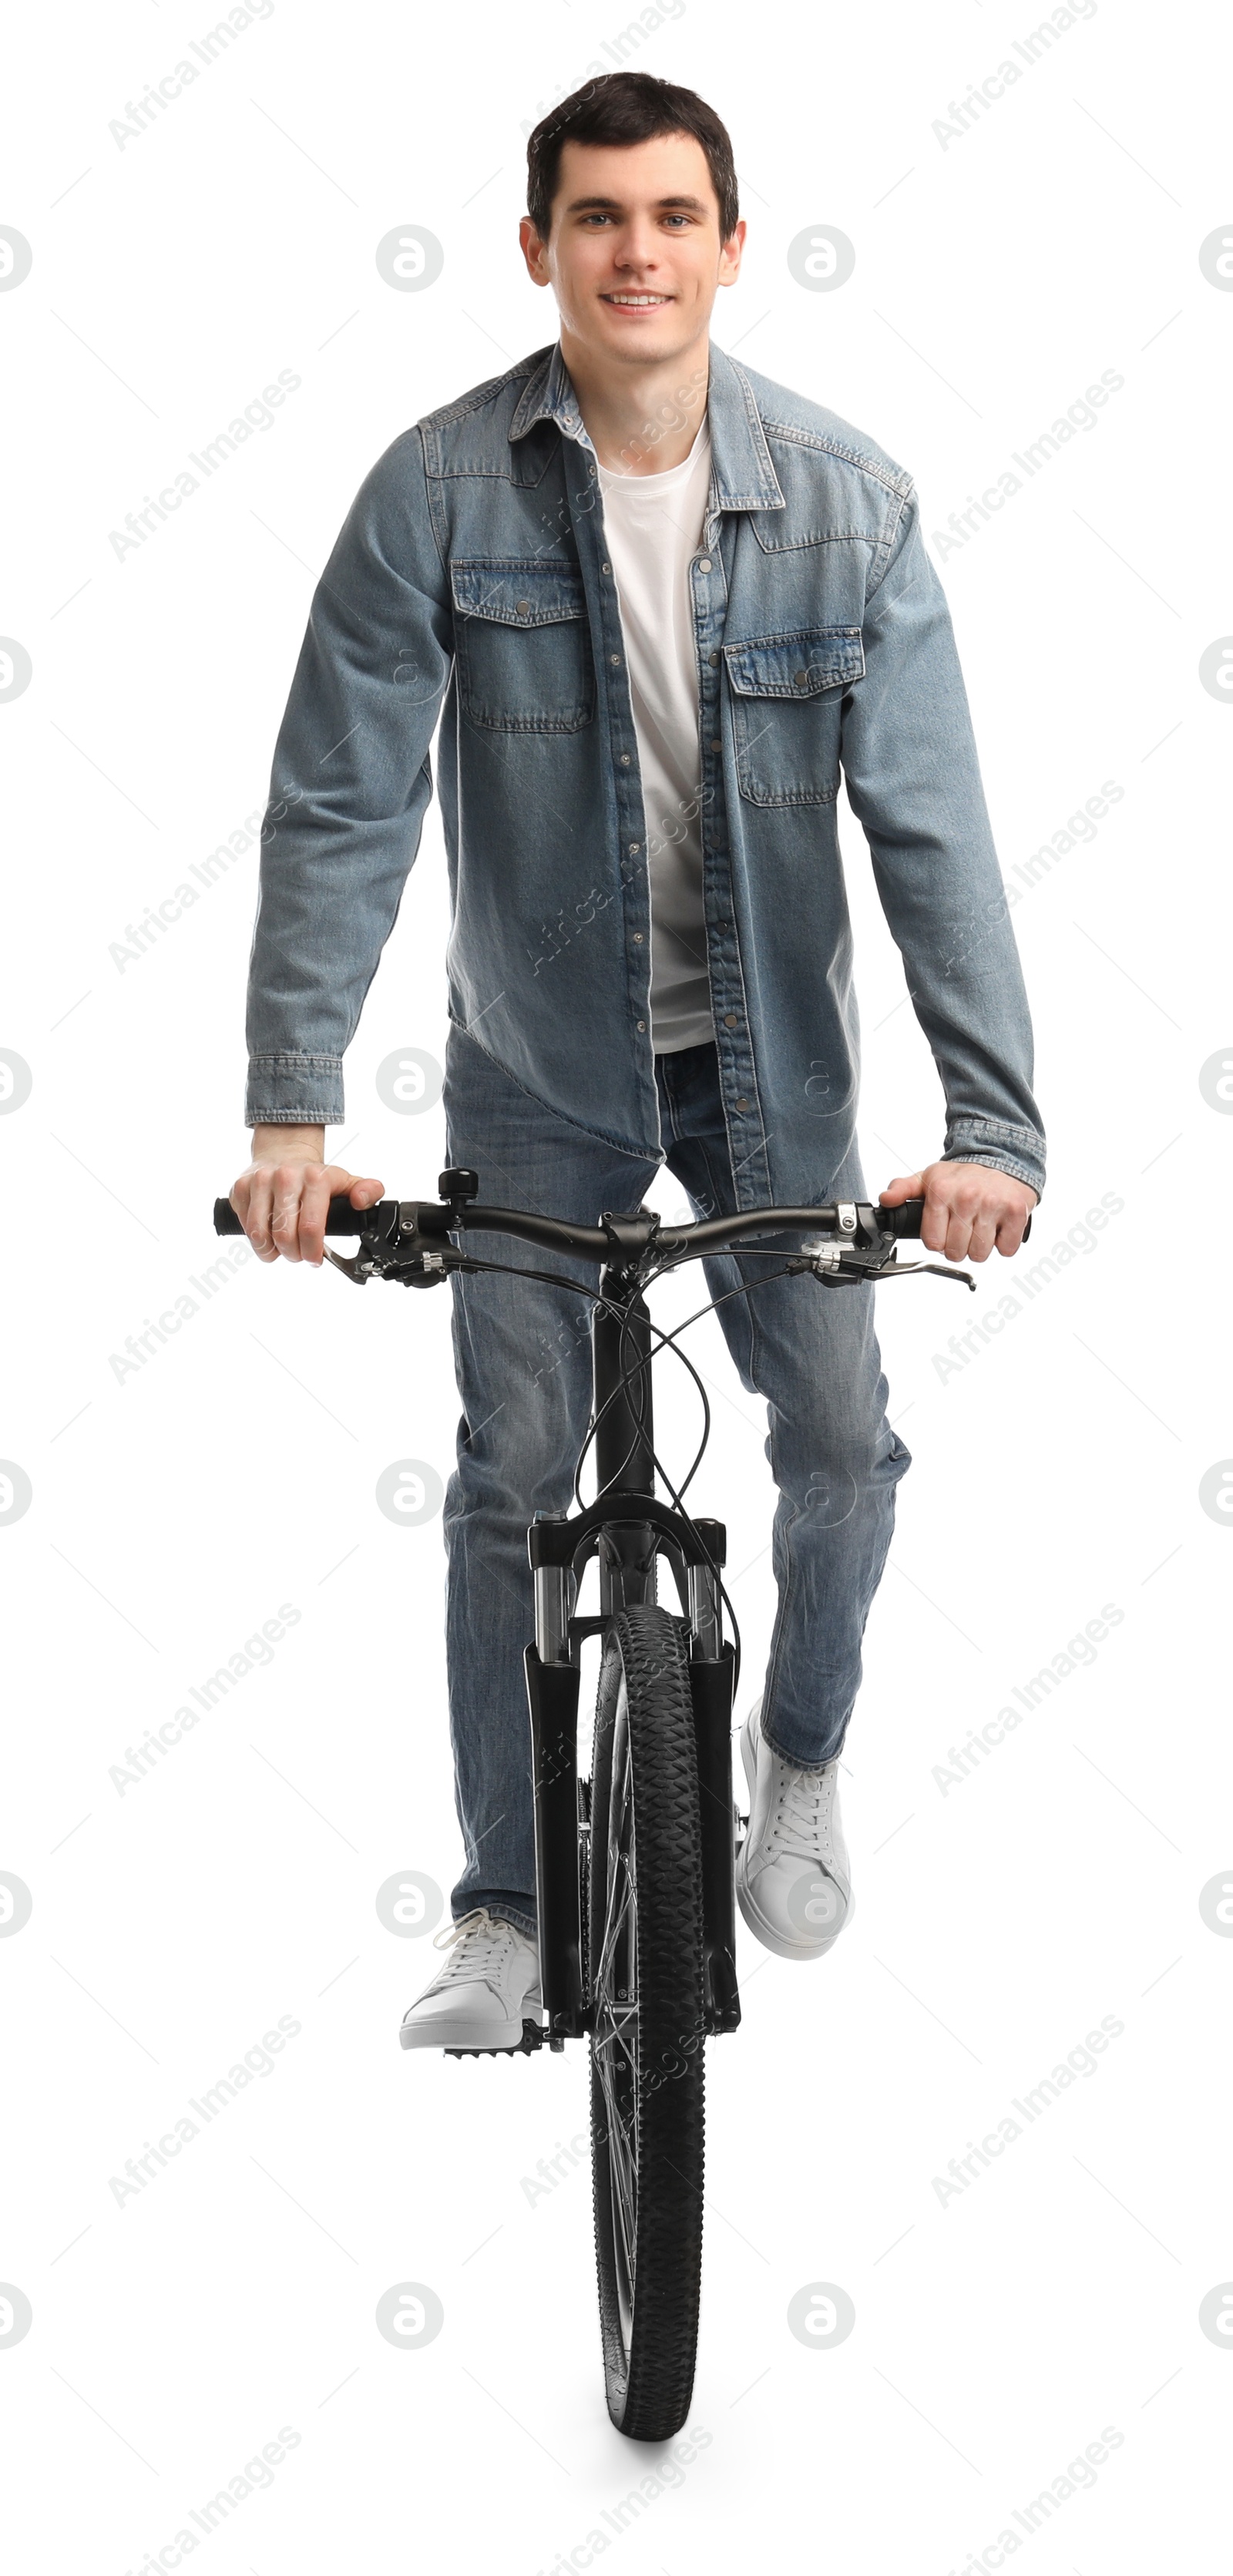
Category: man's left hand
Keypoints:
(969, 1208)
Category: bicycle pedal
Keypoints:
(533, 2036)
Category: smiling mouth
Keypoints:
(635, 303)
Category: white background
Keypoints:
(174, 1510)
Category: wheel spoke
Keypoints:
(612, 1929)
(615, 2045)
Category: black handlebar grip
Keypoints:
(905, 1221)
(341, 1217)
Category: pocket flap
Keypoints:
(796, 666)
(518, 594)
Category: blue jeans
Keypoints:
(522, 1354)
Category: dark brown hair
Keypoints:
(627, 107)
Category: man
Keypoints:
(660, 603)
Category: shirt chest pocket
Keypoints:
(523, 646)
(786, 693)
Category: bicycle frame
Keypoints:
(627, 1528)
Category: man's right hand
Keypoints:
(283, 1197)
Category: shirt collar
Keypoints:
(743, 477)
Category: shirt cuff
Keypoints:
(294, 1091)
(1019, 1151)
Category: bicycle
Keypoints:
(635, 1865)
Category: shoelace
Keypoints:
(806, 1795)
(470, 1929)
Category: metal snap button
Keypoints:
(729, 1019)
(801, 678)
(741, 1104)
(704, 564)
(524, 607)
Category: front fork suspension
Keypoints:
(553, 1680)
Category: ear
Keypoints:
(730, 256)
(533, 252)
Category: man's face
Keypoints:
(634, 255)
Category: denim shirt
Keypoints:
(470, 582)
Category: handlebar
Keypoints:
(593, 1241)
(411, 1239)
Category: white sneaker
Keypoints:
(793, 1883)
(485, 1991)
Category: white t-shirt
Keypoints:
(652, 528)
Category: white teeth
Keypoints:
(636, 299)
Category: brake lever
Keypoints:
(397, 1244)
(873, 1255)
(359, 1267)
(377, 1228)
(904, 1270)
(418, 1267)
(403, 1240)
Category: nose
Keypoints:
(637, 249)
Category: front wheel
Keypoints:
(646, 1991)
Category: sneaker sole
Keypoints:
(756, 1920)
(506, 2039)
